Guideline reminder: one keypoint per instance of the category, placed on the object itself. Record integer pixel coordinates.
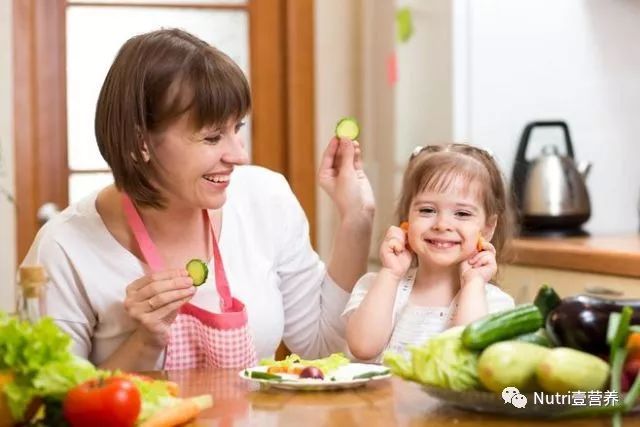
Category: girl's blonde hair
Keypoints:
(437, 167)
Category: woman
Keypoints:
(167, 123)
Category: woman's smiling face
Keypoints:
(444, 226)
(194, 166)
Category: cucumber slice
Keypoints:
(348, 128)
(198, 271)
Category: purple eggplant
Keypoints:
(580, 322)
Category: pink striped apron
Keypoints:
(199, 338)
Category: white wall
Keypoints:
(7, 209)
(337, 67)
(575, 60)
(515, 62)
(424, 90)
(353, 41)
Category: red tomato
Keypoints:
(111, 402)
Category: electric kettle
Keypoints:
(550, 192)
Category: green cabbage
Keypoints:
(442, 361)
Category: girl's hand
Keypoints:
(394, 254)
(342, 177)
(154, 300)
(481, 266)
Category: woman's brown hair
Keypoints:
(436, 167)
(156, 78)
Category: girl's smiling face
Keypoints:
(444, 226)
(194, 166)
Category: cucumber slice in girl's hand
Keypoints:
(348, 128)
(198, 271)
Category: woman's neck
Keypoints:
(173, 222)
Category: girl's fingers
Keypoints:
(488, 247)
(396, 246)
(481, 257)
(395, 233)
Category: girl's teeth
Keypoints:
(442, 244)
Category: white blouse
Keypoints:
(413, 324)
(268, 259)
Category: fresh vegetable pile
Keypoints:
(43, 383)
(578, 344)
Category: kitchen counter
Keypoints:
(393, 402)
(612, 255)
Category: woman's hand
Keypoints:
(481, 266)
(342, 177)
(394, 254)
(154, 300)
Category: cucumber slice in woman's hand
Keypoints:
(348, 128)
(198, 271)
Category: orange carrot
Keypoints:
(180, 413)
(277, 370)
(173, 388)
(405, 226)
(296, 370)
(480, 243)
(5, 415)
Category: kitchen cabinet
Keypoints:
(605, 266)
(523, 281)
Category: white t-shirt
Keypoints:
(413, 324)
(268, 259)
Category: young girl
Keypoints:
(434, 275)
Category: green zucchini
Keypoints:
(538, 337)
(264, 376)
(370, 374)
(501, 326)
(546, 300)
(198, 271)
(348, 128)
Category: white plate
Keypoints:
(341, 378)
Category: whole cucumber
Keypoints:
(501, 326)
(546, 300)
(538, 337)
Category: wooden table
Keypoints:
(393, 402)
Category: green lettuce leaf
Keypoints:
(442, 361)
(155, 395)
(398, 365)
(38, 356)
